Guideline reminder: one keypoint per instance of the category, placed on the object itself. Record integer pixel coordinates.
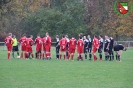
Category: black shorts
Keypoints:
(106, 50)
(89, 50)
(100, 50)
(85, 50)
(15, 48)
(116, 48)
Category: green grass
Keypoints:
(16, 73)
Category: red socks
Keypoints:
(95, 57)
(8, 56)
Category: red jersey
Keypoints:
(80, 43)
(38, 42)
(48, 41)
(22, 41)
(28, 41)
(9, 41)
(72, 43)
(96, 43)
(63, 42)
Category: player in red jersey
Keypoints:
(29, 42)
(72, 47)
(9, 41)
(67, 47)
(38, 42)
(95, 47)
(80, 45)
(48, 46)
(63, 43)
(23, 46)
(44, 49)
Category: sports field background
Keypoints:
(16, 73)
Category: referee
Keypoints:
(15, 47)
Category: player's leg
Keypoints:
(94, 53)
(17, 50)
(90, 55)
(110, 57)
(100, 53)
(9, 48)
(85, 52)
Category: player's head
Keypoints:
(63, 36)
(88, 36)
(10, 34)
(95, 36)
(66, 36)
(100, 36)
(80, 37)
(80, 34)
(24, 35)
(14, 36)
(31, 36)
(84, 37)
(125, 48)
(47, 34)
(106, 37)
(38, 35)
(57, 36)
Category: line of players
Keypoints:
(66, 47)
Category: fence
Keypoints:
(128, 44)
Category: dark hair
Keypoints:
(101, 36)
(80, 37)
(95, 36)
(29, 36)
(63, 36)
(38, 34)
(24, 34)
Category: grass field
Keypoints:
(18, 73)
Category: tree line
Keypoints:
(60, 17)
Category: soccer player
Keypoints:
(106, 47)
(118, 49)
(100, 47)
(95, 47)
(44, 47)
(89, 47)
(8, 40)
(85, 46)
(67, 46)
(63, 43)
(23, 46)
(111, 44)
(31, 36)
(38, 42)
(15, 46)
(72, 47)
(80, 45)
(57, 47)
(28, 42)
(48, 46)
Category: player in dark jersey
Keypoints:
(89, 46)
(111, 44)
(100, 47)
(85, 47)
(57, 47)
(106, 47)
(67, 46)
(118, 49)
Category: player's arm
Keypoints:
(108, 45)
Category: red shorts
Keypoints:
(9, 47)
(47, 48)
(63, 49)
(80, 50)
(23, 48)
(38, 49)
(71, 50)
(94, 49)
(29, 49)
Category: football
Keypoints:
(18, 57)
